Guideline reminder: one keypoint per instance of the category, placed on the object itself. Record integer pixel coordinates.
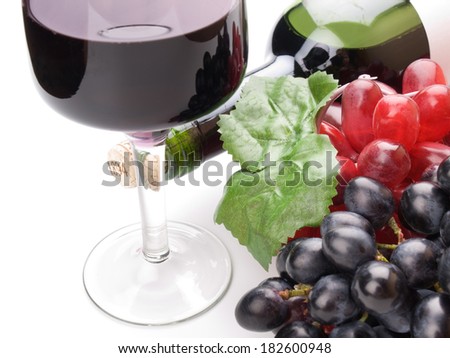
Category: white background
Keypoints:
(54, 210)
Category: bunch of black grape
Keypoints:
(341, 285)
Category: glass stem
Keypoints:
(150, 179)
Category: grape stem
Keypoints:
(367, 77)
(364, 317)
(380, 257)
(301, 289)
(390, 247)
(397, 230)
(437, 287)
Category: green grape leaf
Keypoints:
(272, 114)
(288, 171)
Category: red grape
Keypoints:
(430, 173)
(347, 172)
(359, 99)
(396, 117)
(385, 161)
(338, 140)
(434, 109)
(306, 231)
(425, 154)
(333, 115)
(422, 73)
(386, 236)
(446, 139)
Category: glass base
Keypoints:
(123, 284)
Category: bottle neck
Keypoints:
(190, 145)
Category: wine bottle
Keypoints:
(342, 37)
(351, 38)
(187, 146)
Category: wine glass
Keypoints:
(142, 67)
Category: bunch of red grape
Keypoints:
(342, 279)
(395, 138)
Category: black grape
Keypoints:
(306, 262)
(422, 206)
(425, 292)
(280, 262)
(299, 329)
(298, 310)
(418, 259)
(444, 229)
(444, 271)
(371, 199)
(347, 247)
(443, 175)
(330, 301)
(261, 309)
(438, 241)
(431, 318)
(345, 218)
(379, 287)
(355, 329)
(399, 320)
(383, 332)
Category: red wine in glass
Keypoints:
(172, 65)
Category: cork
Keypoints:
(121, 164)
